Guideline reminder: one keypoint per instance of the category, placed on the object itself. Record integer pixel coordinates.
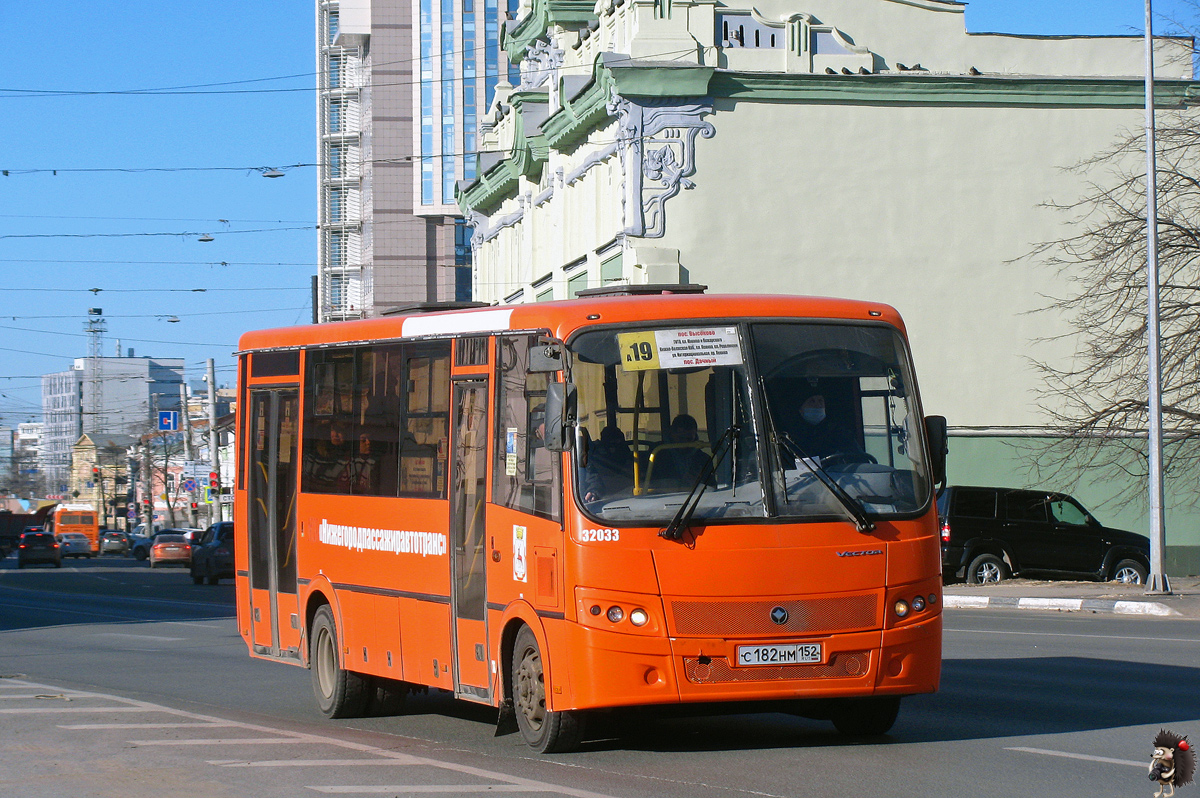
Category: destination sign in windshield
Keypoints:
(689, 347)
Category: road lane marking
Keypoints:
(1088, 757)
(509, 782)
(156, 638)
(43, 696)
(49, 710)
(192, 725)
(432, 788)
(312, 763)
(1072, 634)
(225, 741)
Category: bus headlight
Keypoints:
(901, 608)
(638, 617)
(918, 604)
(616, 614)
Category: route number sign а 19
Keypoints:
(690, 347)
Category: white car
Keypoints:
(74, 544)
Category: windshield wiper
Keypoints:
(858, 513)
(683, 518)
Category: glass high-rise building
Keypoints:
(402, 85)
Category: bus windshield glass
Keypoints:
(760, 417)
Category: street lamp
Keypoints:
(273, 173)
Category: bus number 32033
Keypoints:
(599, 535)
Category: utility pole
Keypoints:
(187, 451)
(1158, 583)
(147, 489)
(214, 460)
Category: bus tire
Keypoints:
(340, 693)
(865, 717)
(386, 697)
(544, 731)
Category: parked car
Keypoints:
(212, 556)
(74, 544)
(990, 534)
(38, 546)
(113, 541)
(170, 548)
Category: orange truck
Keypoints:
(644, 496)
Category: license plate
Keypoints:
(788, 654)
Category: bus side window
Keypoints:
(424, 437)
(526, 476)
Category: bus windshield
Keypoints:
(765, 419)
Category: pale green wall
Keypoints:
(997, 461)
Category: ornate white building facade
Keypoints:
(858, 148)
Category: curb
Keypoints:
(1061, 604)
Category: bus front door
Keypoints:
(274, 605)
(469, 593)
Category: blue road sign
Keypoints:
(168, 420)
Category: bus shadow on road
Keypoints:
(979, 699)
(991, 698)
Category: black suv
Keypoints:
(989, 534)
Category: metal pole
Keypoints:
(1158, 582)
(214, 440)
(187, 450)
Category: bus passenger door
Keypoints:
(469, 561)
(272, 522)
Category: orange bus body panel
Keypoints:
(394, 608)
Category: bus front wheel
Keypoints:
(865, 717)
(544, 730)
(340, 693)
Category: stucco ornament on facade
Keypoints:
(657, 140)
(540, 65)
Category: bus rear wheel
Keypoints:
(340, 693)
(545, 731)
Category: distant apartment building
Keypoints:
(102, 397)
(402, 87)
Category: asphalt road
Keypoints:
(116, 680)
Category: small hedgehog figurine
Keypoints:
(1173, 763)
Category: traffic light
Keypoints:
(213, 478)
(194, 505)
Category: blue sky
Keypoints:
(124, 232)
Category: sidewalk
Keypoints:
(1035, 594)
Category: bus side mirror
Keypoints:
(939, 446)
(560, 416)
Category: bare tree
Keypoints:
(1098, 400)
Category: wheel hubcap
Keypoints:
(531, 689)
(1129, 576)
(989, 572)
(326, 662)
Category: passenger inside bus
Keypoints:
(327, 464)
(609, 470)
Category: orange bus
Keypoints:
(646, 496)
(79, 518)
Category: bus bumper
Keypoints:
(610, 669)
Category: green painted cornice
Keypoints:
(569, 14)
(491, 188)
(951, 90)
(526, 158)
(581, 114)
(530, 149)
